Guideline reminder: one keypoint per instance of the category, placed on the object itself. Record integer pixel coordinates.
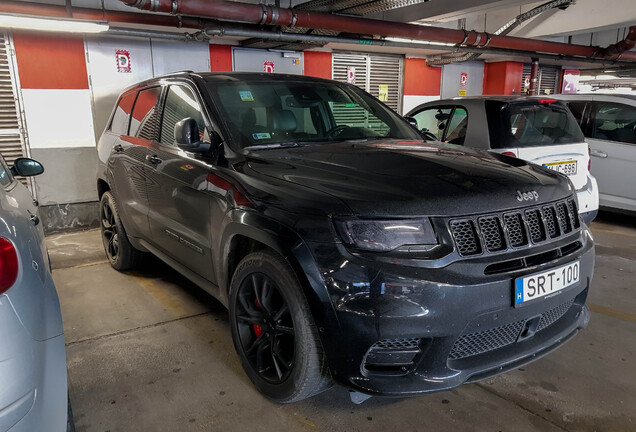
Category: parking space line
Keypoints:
(132, 330)
(625, 316)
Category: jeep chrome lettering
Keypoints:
(527, 196)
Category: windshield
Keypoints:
(530, 124)
(264, 113)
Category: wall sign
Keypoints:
(123, 61)
(463, 79)
(570, 81)
(383, 92)
(268, 66)
(351, 75)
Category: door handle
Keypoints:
(33, 218)
(118, 148)
(154, 159)
(598, 153)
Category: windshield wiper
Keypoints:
(271, 146)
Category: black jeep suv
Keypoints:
(344, 246)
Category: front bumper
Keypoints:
(33, 376)
(442, 315)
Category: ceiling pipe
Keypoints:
(533, 88)
(619, 49)
(272, 15)
(117, 17)
(245, 30)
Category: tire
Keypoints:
(121, 254)
(273, 330)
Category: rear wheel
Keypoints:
(121, 254)
(273, 331)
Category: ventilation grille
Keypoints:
(492, 233)
(11, 139)
(465, 236)
(482, 342)
(534, 225)
(398, 344)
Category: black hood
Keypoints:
(398, 178)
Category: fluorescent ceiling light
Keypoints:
(417, 41)
(21, 22)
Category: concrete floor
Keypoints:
(149, 351)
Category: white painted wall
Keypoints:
(252, 60)
(58, 118)
(451, 75)
(411, 102)
(173, 56)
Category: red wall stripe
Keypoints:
(420, 79)
(318, 64)
(502, 78)
(47, 61)
(220, 58)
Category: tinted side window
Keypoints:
(456, 129)
(615, 122)
(433, 120)
(530, 124)
(145, 119)
(121, 117)
(5, 175)
(180, 104)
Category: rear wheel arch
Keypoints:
(102, 187)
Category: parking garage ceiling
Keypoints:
(580, 22)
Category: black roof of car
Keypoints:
(227, 76)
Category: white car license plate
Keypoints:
(543, 284)
(566, 167)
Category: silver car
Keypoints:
(33, 389)
(608, 122)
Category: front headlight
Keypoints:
(385, 235)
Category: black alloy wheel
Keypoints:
(110, 236)
(266, 328)
(120, 253)
(273, 329)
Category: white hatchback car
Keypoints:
(539, 130)
(608, 122)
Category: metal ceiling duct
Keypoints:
(272, 15)
(217, 28)
(504, 30)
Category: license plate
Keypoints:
(566, 167)
(543, 284)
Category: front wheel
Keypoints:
(273, 330)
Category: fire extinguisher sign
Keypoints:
(463, 79)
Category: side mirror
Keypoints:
(411, 121)
(26, 167)
(186, 135)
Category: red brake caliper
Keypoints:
(257, 329)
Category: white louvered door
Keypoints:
(12, 139)
(373, 73)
